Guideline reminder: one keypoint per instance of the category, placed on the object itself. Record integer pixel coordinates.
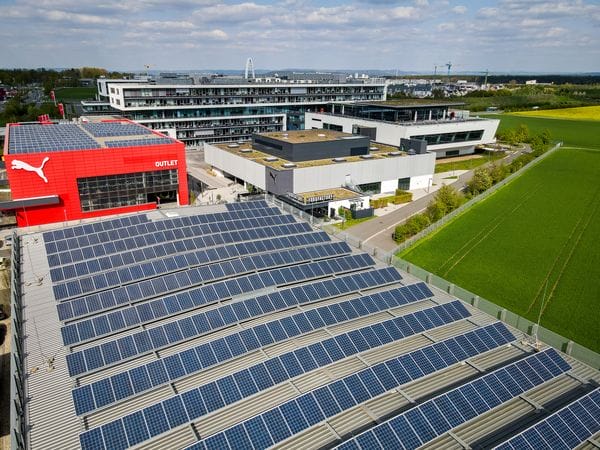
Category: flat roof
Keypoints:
(307, 136)
(38, 137)
(247, 151)
(407, 103)
(242, 327)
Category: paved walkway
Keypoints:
(378, 232)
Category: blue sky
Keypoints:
(498, 35)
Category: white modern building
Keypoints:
(448, 132)
(230, 109)
(321, 168)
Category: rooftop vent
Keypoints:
(245, 150)
(233, 145)
(411, 152)
(373, 148)
(339, 159)
(396, 153)
(289, 165)
(321, 135)
(366, 156)
(271, 158)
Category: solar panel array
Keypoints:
(168, 323)
(440, 414)
(212, 396)
(138, 142)
(313, 407)
(38, 138)
(110, 129)
(42, 138)
(563, 430)
(100, 393)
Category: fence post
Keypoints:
(475, 301)
(503, 315)
(451, 289)
(569, 348)
(428, 278)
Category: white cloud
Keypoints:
(459, 9)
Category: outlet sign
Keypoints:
(169, 163)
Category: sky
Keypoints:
(404, 35)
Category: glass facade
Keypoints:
(448, 138)
(391, 113)
(128, 189)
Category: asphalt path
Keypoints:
(378, 232)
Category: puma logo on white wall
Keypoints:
(21, 165)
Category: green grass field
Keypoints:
(75, 93)
(539, 234)
(467, 164)
(574, 133)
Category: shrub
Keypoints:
(498, 172)
(402, 197)
(411, 227)
(480, 182)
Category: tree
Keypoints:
(498, 172)
(447, 199)
(480, 182)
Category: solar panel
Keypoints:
(565, 429)
(281, 330)
(138, 142)
(91, 359)
(40, 138)
(110, 129)
(312, 407)
(161, 285)
(424, 422)
(147, 233)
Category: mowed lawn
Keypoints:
(539, 235)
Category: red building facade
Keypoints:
(69, 184)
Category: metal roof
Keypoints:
(239, 326)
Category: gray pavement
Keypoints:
(378, 232)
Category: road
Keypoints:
(378, 232)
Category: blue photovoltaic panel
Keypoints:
(462, 404)
(93, 245)
(422, 423)
(563, 430)
(94, 360)
(329, 350)
(325, 401)
(206, 276)
(161, 269)
(40, 138)
(113, 129)
(184, 251)
(163, 307)
(139, 142)
(72, 233)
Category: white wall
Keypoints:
(391, 133)
(368, 171)
(421, 182)
(238, 166)
(389, 185)
(346, 204)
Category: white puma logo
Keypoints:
(17, 164)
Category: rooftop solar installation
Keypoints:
(138, 142)
(112, 129)
(60, 137)
(239, 326)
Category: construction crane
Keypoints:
(449, 66)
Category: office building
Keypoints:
(320, 170)
(221, 109)
(447, 131)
